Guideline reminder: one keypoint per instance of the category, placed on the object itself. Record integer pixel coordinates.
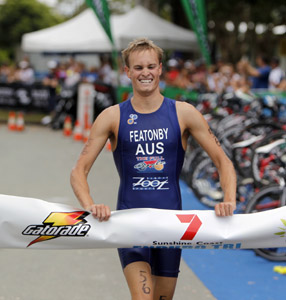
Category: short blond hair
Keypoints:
(141, 44)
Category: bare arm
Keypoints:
(192, 122)
(250, 70)
(104, 128)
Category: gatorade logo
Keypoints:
(194, 226)
(59, 224)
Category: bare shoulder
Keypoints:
(107, 120)
(109, 115)
(184, 107)
(111, 111)
(187, 114)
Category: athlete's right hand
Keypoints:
(100, 211)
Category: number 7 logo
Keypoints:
(195, 224)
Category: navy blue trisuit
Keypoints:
(149, 157)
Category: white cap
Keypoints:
(172, 63)
(23, 64)
(52, 64)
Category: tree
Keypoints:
(231, 45)
(236, 42)
(22, 16)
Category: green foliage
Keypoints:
(4, 56)
(233, 45)
(22, 16)
(257, 11)
(283, 232)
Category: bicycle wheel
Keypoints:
(227, 138)
(245, 191)
(204, 181)
(192, 152)
(269, 159)
(268, 198)
(244, 143)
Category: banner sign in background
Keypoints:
(36, 224)
(30, 97)
(100, 8)
(196, 14)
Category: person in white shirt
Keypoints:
(26, 73)
(276, 74)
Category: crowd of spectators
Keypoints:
(225, 77)
(185, 74)
(22, 72)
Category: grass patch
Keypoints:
(29, 117)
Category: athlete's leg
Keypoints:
(139, 280)
(164, 287)
(151, 283)
(165, 270)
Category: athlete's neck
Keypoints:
(147, 104)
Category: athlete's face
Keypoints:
(144, 71)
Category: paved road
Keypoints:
(36, 163)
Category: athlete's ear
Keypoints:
(160, 69)
(127, 71)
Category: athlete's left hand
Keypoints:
(224, 209)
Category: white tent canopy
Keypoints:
(84, 33)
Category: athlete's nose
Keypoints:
(145, 72)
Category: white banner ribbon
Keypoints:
(37, 224)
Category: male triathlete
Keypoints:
(148, 134)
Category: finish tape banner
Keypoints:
(37, 224)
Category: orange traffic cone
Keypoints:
(77, 132)
(20, 124)
(12, 121)
(67, 126)
(86, 133)
(108, 146)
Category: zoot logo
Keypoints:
(150, 183)
(59, 224)
(132, 118)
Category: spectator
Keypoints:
(4, 72)
(172, 72)
(199, 78)
(260, 74)
(106, 74)
(73, 75)
(183, 79)
(51, 80)
(62, 73)
(26, 74)
(276, 74)
(123, 78)
(213, 79)
(90, 75)
(282, 85)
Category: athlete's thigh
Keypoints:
(164, 287)
(139, 280)
(166, 262)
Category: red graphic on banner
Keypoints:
(195, 224)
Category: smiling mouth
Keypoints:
(145, 80)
